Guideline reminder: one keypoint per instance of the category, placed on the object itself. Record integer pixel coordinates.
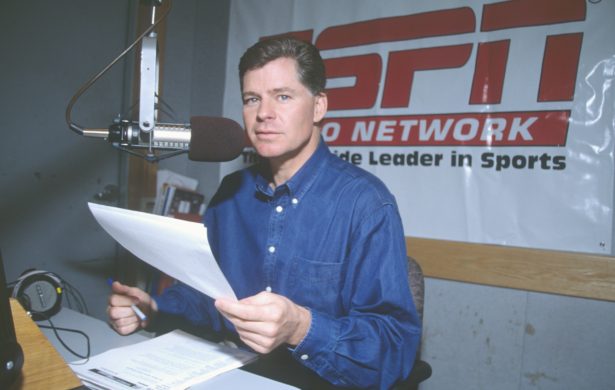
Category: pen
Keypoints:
(134, 307)
(138, 312)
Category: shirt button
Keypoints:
(279, 209)
(268, 289)
(271, 249)
(295, 201)
(304, 357)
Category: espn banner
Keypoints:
(490, 121)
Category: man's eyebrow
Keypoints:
(271, 92)
(283, 89)
(249, 93)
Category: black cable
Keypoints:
(73, 126)
(69, 300)
(80, 301)
(67, 295)
(55, 331)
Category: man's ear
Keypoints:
(320, 106)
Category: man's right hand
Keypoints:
(121, 315)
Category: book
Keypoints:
(180, 201)
(164, 178)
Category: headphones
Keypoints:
(39, 292)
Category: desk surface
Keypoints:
(103, 338)
(43, 366)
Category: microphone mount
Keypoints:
(207, 139)
(123, 134)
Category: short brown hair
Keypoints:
(310, 66)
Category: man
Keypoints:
(312, 245)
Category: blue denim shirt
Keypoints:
(330, 239)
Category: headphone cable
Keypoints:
(55, 331)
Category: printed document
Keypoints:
(176, 360)
(176, 247)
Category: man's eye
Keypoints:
(283, 97)
(250, 100)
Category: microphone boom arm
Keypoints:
(147, 96)
(207, 139)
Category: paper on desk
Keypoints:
(176, 247)
(176, 360)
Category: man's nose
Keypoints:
(265, 109)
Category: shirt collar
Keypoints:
(301, 181)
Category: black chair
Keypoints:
(421, 369)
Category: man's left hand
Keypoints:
(266, 320)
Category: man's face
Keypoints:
(280, 113)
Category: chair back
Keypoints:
(417, 285)
(421, 369)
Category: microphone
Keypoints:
(207, 139)
(215, 139)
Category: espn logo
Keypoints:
(378, 87)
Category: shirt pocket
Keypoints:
(315, 284)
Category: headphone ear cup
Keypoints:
(40, 293)
(24, 301)
(56, 279)
(24, 278)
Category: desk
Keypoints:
(43, 366)
(102, 338)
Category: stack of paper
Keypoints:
(176, 360)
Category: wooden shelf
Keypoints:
(566, 273)
(43, 366)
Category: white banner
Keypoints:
(491, 122)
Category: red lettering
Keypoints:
(558, 73)
(488, 83)
(403, 64)
(522, 13)
(561, 55)
(559, 67)
(366, 69)
(398, 28)
(535, 128)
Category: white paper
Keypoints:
(176, 360)
(176, 247)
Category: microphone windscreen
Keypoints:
(215, 139)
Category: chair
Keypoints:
(421, 369)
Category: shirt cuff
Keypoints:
(315, 350)
(166, 304)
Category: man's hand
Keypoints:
(121, 315)
(266, 320)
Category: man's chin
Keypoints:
(267, 151)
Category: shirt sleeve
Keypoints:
(188, 303)
(375, 343)
(184, 301)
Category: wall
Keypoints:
(193, 82)
(48, 173)
(479, 337)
